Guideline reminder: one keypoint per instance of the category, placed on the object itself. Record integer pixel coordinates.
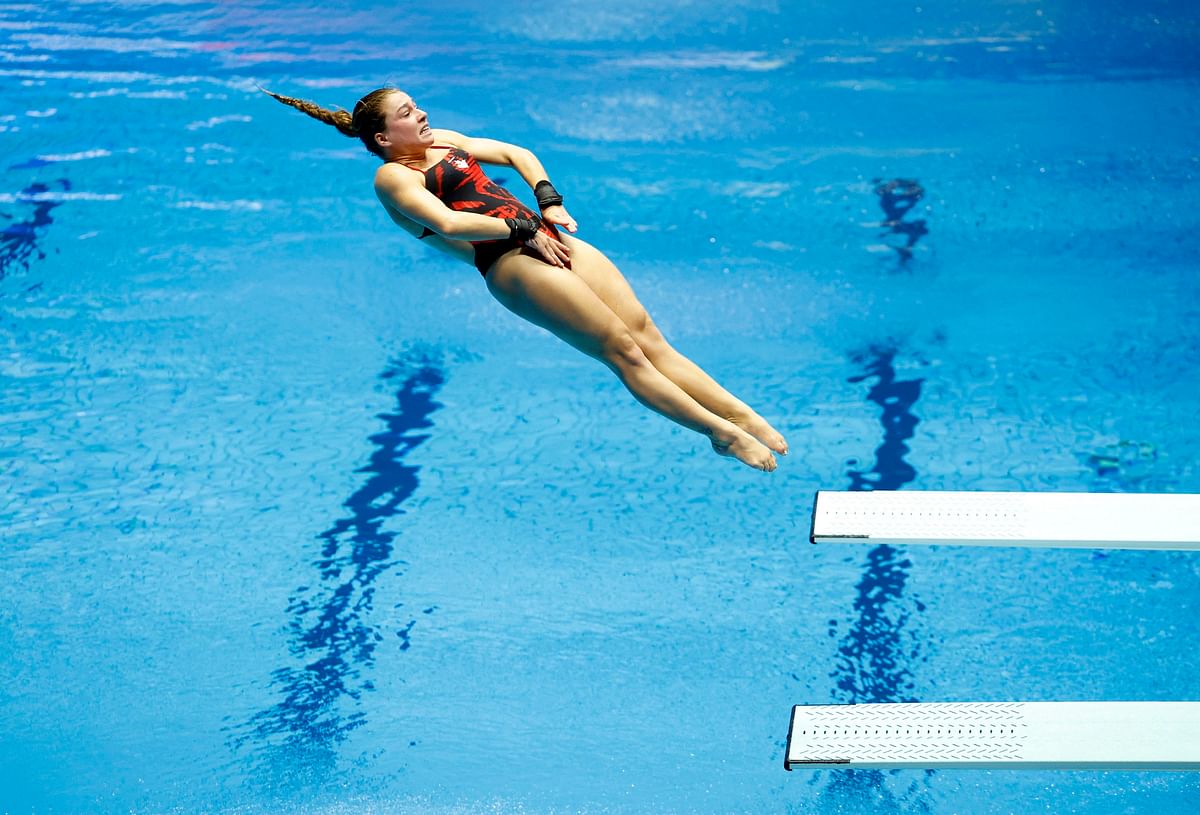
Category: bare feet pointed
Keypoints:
(759, 428)
(745, 448)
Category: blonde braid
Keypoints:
(341, 119)
(369, 117)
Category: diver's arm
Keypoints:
(399, 189)
(457, 248)
(402, 193)
(491, 151)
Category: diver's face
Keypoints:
(406, 125)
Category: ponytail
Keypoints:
(363, 124)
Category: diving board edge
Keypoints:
(996, 735)
(1031, 519)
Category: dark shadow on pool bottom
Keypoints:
(19, 239)
(897, 197)
(875, 652)
(332, 636)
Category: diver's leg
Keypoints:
(603, 277)
(563, 304)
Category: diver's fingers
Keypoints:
(546, 246)
(567, 221)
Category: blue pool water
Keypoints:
(296, 518)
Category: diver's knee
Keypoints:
(621, 350)
(651, 340)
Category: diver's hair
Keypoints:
(366, 120)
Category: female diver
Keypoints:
(432, 187)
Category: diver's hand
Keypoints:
(558, 215)
(555, 252)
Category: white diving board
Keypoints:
(1091, 520)
(997, 735)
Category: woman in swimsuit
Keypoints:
(432, 187)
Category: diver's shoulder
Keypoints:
(390, 174)
(448, 137)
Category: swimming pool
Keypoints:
(297, 519)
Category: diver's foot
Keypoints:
(759, 428)
(739, 444)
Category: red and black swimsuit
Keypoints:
(462, 185)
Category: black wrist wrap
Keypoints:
(546, 195)
(522, 229)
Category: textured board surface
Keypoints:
(1118, 735)
(1102, 520)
